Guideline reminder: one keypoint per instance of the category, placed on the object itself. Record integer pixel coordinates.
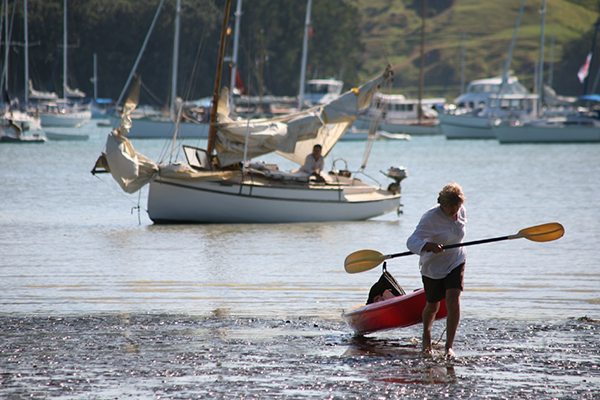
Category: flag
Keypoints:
(585, 68)
(239, 84)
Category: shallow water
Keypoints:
(79, 261)
(171, 356)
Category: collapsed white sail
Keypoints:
(292, 136)
(295, 135)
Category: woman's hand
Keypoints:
(433, 247)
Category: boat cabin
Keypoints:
(398, 107)
(321, 91)
(478, 91)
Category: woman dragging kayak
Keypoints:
(442, 270)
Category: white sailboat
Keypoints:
(582, 126)
(477, 123)
(60, 113)
(18, 119)
(227, 188)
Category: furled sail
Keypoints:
(293, 136)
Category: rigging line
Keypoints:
(195, 74)
(138, 207)
(374, 122)
(155, 97)
(121, 193)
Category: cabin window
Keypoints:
(409, 107)
(397, 107)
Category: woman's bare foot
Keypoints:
(427, 352)
(450, 353)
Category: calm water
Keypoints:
(78, 260)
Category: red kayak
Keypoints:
(398, 312)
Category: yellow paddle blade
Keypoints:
(363, 260)
(542, 233)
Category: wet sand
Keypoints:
(179, 356)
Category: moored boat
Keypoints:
(398, 312)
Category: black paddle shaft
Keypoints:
(452, 246)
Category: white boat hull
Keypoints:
(466, 127)
(179, 201)
(65, 120)
(66, 136)
(148, 128)
(407, 127)
(547, 134)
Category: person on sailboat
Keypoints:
(442, 270)
(314, 163)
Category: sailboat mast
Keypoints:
(6, 47)
(95, 78)
(26, 52)
(175, 61)
(540, 83)
(213, 111)
(551, 67)
(304, 56)
(462, 63)
(236, 40)
(65, 51)
(419, 110)
(510, 50)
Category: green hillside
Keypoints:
(392, 34)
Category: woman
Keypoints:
(442, 270)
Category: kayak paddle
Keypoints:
(364, 260)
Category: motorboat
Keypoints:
(398, 114)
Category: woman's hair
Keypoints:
(451, 195)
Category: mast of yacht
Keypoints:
(65, 51)
(95, 78)
(173, 112)
(462, 62)
(26, 52)
(236, 40)
(510, 49)
(4, 80)
(421, 74)
(551, 67)
(215, 101)
(304, 56)
(540, 82)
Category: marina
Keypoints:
(80, 260)
(175, 249)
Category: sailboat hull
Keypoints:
(156, 128)
(547, 134)
(466, 127)
(178, 201)
(69, 119)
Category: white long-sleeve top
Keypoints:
(311, 165)
(436, 227)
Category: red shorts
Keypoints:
(435, 289)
